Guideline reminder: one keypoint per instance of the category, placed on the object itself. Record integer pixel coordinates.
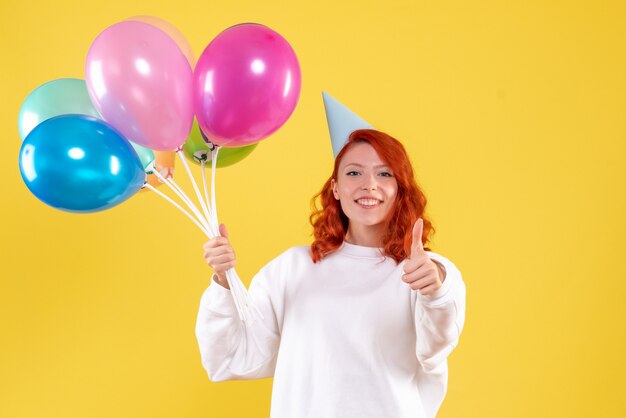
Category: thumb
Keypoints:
(416, 243)
(223, 231)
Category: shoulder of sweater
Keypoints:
(291, 254)
(273, 274)
(297, 251)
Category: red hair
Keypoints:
(330, 223)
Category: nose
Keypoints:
(369, 183)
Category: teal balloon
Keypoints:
(57, 97)
(79, 164)
(146, 155)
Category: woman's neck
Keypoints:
(365, 236)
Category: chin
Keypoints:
(366, 221)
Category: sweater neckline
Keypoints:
(361, 251)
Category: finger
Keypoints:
(419, 274)
(223, 231)
(221, 259)
(219, 241)
(222, 267)
(217, 251)
(212, 257)
(216, 242)
(421, 278)
(423, 282)
(430, 289)
(416, 243)
(210, 244)
(414, 263)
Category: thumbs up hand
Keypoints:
(420, 272)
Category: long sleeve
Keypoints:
(439, 320)
(231, 349)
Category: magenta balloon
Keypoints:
(141, 83)
(246, 85)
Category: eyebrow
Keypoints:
(360, 165)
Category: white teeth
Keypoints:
(368, 202)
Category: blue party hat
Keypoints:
(341, 122)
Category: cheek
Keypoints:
(345, 190)
(394, 191)
(393, 197)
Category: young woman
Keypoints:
(359, 324)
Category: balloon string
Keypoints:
(185, 199)
(181, 193)
(234, 282)
(190, 203)
(208, 224)
(204, 183)
(214, 152)
(237, 289)
(149, 186)
(195, 188)
(240, 288)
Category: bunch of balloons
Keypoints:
(91, 144)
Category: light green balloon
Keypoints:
(146, 156)
(196, 150)
(57, 97)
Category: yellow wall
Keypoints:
(514, 115)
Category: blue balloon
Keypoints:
(80, 164)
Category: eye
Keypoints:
(352, 173)
(386, 174)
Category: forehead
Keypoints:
(363, 154)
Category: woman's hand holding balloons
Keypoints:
(420, 272)
(219, 254)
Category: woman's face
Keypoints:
(365, 185)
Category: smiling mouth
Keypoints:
(368, 203)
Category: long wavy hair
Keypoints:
(330, 223)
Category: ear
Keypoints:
(333, 184)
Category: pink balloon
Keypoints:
(141, 83)
(246, 85)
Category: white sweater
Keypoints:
(343, 338)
